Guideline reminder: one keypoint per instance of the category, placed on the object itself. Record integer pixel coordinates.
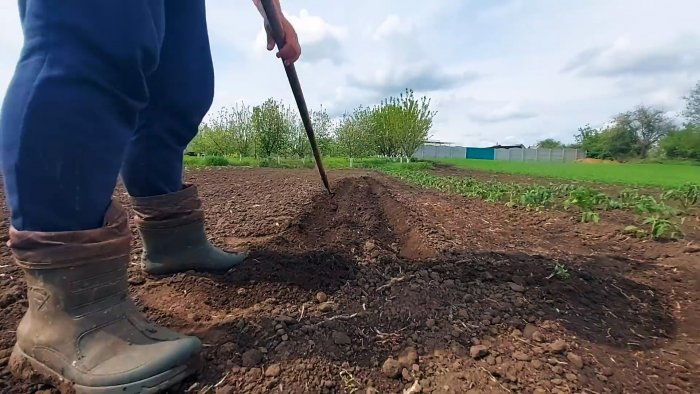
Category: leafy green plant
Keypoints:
(686, 195)
(215, 161)
(661, 228)
(560, 271)
(585, 198)
(538, 197)
(588, 201)
(627, 197)
(590, 216)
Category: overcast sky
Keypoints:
(497, 71)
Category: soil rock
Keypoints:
(691, 249)
(529, 330)
(575, 360)
(520, 356)
(321, 297)
(225, 390)
(559, 346)
(251, 358)
(478, 351)
(391, 368)
(408, 357)
(273, 370)
(341, 338)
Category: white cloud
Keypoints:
(392, 25)
(423, 77)
(624, 57)
(319, 39)
(498, 113)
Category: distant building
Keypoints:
(438, 143)
(521, 146)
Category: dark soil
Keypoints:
(386, 287)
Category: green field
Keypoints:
(657, 175)
(660, 175)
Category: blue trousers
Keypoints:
(101, 87)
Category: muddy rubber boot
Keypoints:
(173, 235)
(82, 331)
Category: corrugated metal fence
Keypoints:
(440, 152)
(513, 154)
(540, 154)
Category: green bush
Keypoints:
(683, 144)
(216, 161)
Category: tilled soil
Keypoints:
(386, 288)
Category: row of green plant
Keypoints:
(662, 215)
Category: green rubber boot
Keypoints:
(82, 332)
(174, 239)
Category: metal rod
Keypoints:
(278, 34)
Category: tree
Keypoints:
(593, 142)
(692, 106)
(215, 137)
(609, 143)
(353, 134)
(648, 124)
(272, 127)
(402, 124)
(550, 143)
(619, 143)
(683, 144)
(384, 123)
(241, 123)
(228, 132)
(323, 130)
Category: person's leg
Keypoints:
(169, 214)
(181, 93)
(65, 123)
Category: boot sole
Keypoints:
(156, 270)
(28, 368)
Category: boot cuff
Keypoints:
(168, 210)
(47, 250)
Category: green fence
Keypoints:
(481, 153)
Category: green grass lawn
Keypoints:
(661, 175)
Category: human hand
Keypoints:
(291, 50)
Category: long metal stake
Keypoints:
(278, 35)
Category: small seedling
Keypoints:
(590, 216)
(635, 231)
(560, 271)
(686, 195)
(663, 228)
